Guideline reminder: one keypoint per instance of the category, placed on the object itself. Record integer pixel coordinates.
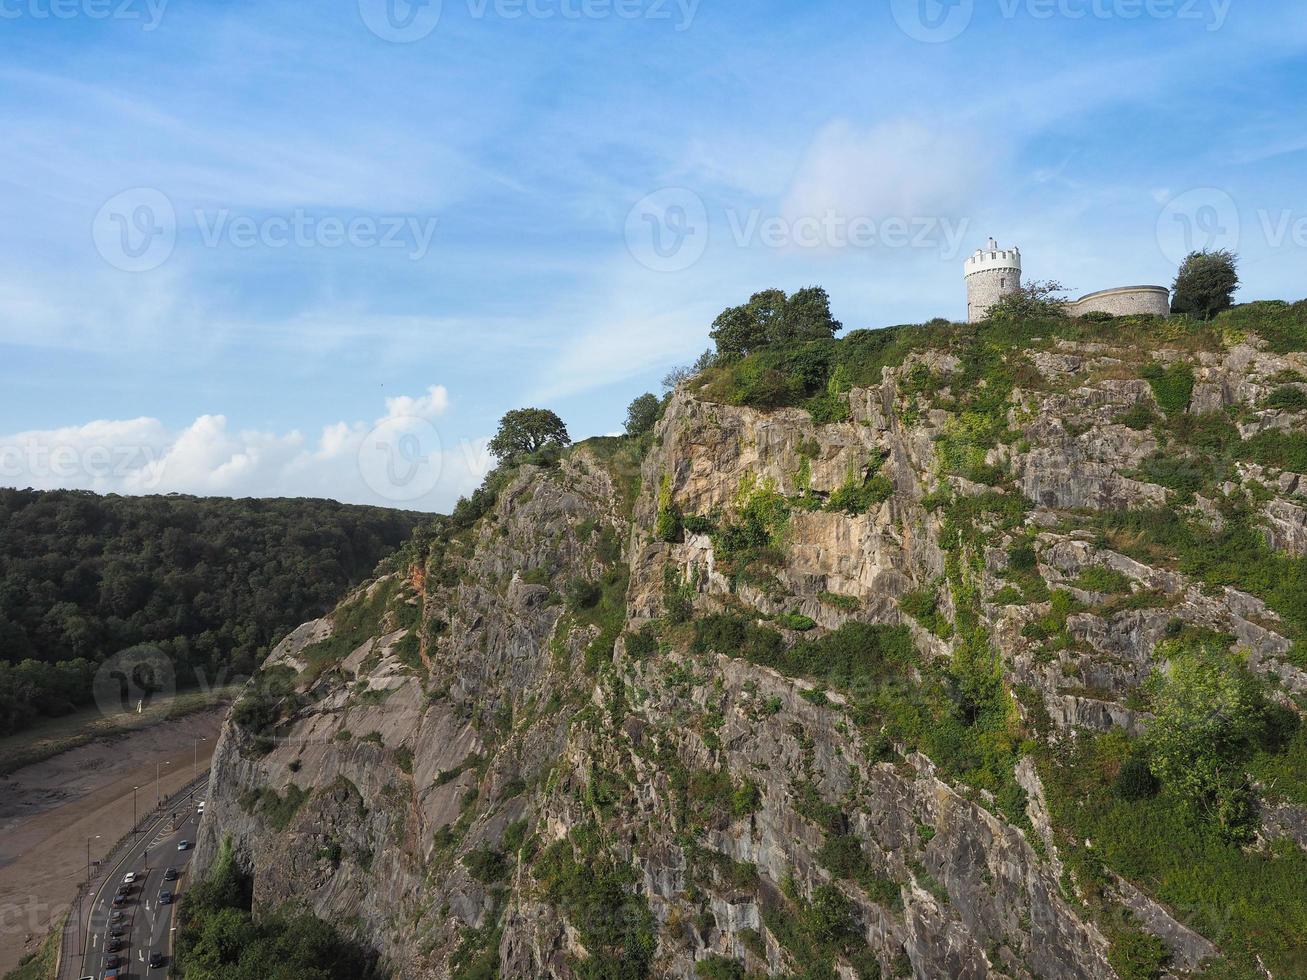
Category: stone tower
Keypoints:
(992, 273)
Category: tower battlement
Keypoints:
(991, 274)
(993, 257)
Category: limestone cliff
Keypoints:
(780, 697)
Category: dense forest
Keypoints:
(210, 582)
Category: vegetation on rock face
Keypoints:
(219, 939)
(210, 583)
(595, 892)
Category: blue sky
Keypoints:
(262, 248)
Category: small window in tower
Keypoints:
(1002, 283)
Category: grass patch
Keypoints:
(39, 964)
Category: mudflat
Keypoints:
(48, 811)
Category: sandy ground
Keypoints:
(48, 810)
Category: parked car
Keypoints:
(129, 877)
(165, 898)
(113, 945)
(113, 962)
(116, 915)
(121, 899)
(156, 960)
(170, 874)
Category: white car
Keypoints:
(129, 878)
(183, 845)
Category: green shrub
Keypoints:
(696, 524)
(583, 594)
(719, 968)
(845, 603)
(1284, 450)
(486, 865)
(1135, 780)
(643, 643)
(1139, 417)
(1173, 387)
(1096, 578)
(1138, 955)
(1287, 398)
(796, 621)
(923, 605)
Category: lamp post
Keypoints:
(158, 800)
(134, 821)
(81, 936)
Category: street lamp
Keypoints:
(158, 800)
(81, 936)
(134, 820)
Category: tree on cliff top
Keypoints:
(642, 414)
(771, 317)
(528, 430)
(1206, 283)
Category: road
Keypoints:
(145, 923)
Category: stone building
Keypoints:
(993, 272)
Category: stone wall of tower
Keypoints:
(1125, 301)
(986, 287)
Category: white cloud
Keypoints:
(396, 460)
(895, 169)
(427, 406)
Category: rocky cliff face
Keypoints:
(806, 702)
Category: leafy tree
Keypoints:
(1209, 716)
(528, 430)
(642, 414)
(1035, 299)
(1205, 284)
(770, 318)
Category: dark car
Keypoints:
(116, 915)
(117, 932)
(120, 899)
(113, 945)
(113, 962)
(165, 898)
(156, 960)
(170, 874)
